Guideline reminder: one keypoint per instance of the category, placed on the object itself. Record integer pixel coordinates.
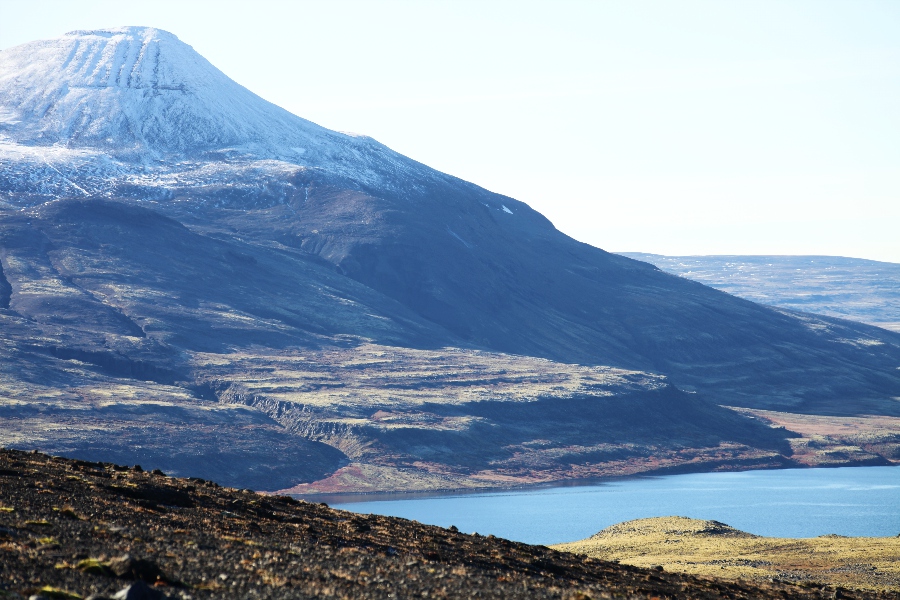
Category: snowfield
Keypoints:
(134, 111)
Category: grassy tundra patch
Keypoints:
(710, 548)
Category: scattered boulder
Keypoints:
(129, 567)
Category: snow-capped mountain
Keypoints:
(120, 110)
(160, 223)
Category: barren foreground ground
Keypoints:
(711, 548)
(72, 529)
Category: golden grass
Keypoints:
(713, 549)
(374, 375)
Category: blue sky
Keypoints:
(657, 126)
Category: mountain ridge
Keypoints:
(857, 289)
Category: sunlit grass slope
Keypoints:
(711, 548)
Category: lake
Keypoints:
(853, 501)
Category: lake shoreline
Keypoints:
(784, 503)
(816, 441)
(379, 496)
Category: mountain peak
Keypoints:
(133, 31)
(94, 112)
(135, 89)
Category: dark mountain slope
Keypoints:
(177, 132)
(123, 317)
(511, 282)
(101, 266)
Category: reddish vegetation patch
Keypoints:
(428, 476)
(837, 441)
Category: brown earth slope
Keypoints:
(70, 529)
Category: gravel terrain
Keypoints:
(73, 529)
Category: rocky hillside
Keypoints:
(73, 529)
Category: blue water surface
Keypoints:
(854, 501)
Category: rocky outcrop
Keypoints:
(5, 289)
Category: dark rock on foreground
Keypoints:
(73, 529)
